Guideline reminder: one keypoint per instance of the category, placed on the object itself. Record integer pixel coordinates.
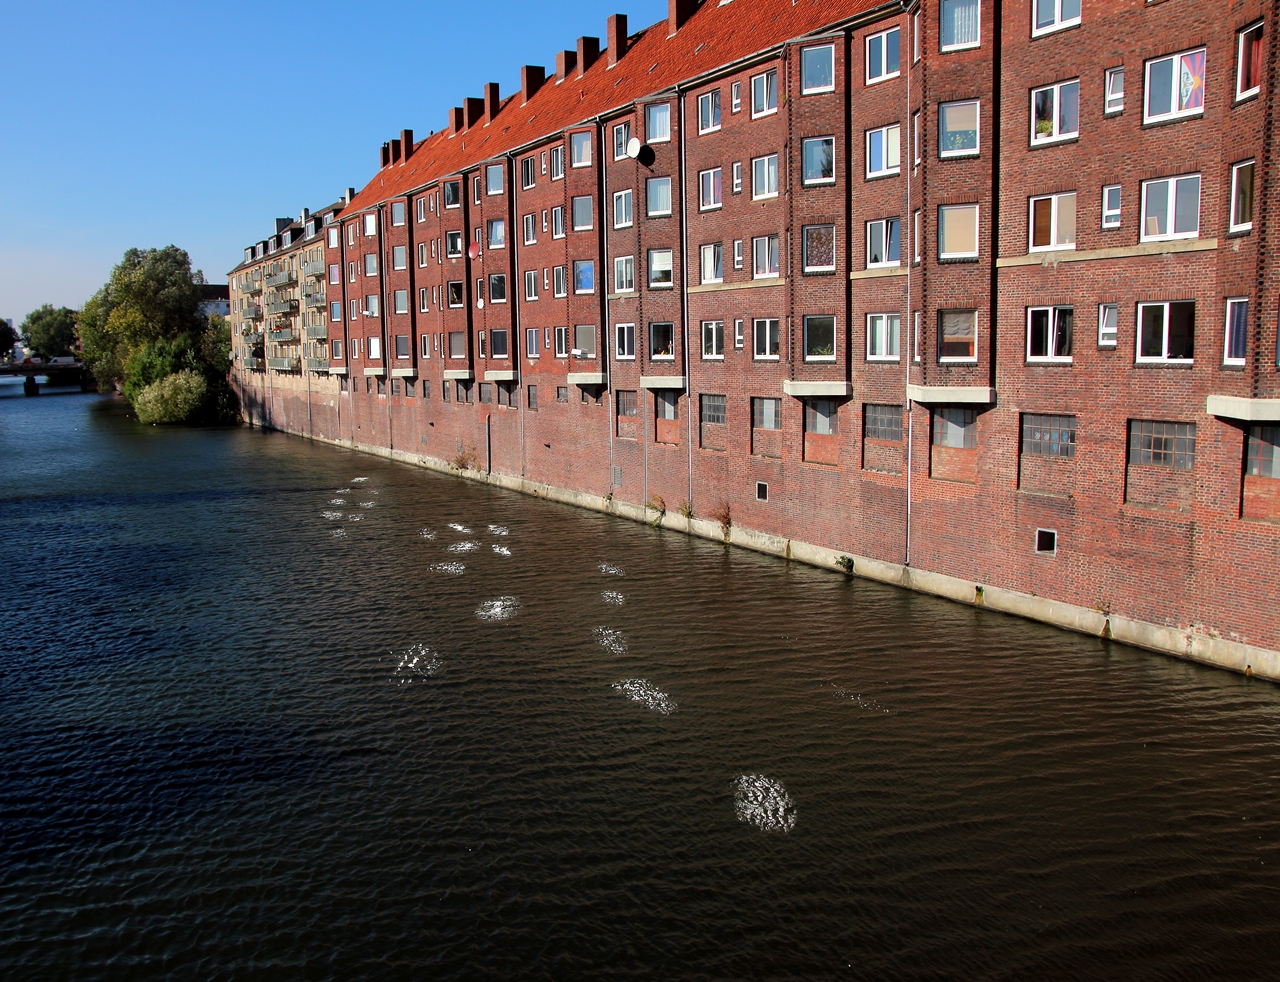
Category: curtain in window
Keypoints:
(959, 22)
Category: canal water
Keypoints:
(276, 710)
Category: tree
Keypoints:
(8, 338)
(52, 332)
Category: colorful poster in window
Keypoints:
(1191, 82)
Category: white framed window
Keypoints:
(543, 161)
(497, 287)
(1249, 55)
(375, 348)
(1236, 336)
(883, 337)
(532, 349)
(557, 222)
(476, 185)
(584, 276)
(580, 149)
(1055, 112)
(453, 244)
(625, 342)
(583, 218)
(737, 254)
(884, 55)
(917, 321)
(399, 257)
(557, 163)
(915, 136)
(764, 250)
(1053, 222)
(400, 299)
(657, 196)
(735, 97)
(817, 72)
(957, 336)
(528, 172)
(884, 155)
(559, 281)
(657, 123)
(1171, 208)
(709, 111)
(426, 349)
(764, 177)
(960, 24)
(1050, 333)
(1053, 15)
(957, 129)
(660, 271)
(621, 137)
(370, 264)
(335, 310)
(765, 332)
(819, 246)
(530, 222)
(584, 341)
(493, 178)
(332, 237)
(1111, 206)
(819, 337)
(1166, 332)
(1108, 324)
(819, 161)
(709, 189)
(957, 231)
(739, 333)
(737, 177)
(1242, 196)
(662, 345)
(711, 262)
(884, 243)
(397, 215)
(624, 274)
(1113, 100)
(453, 194)
(562, 342)
(713, 340)
(531, 284)
(764, 94)
(622, 214)
(497, 233)
(916, 235)
(1174, 86)
(370, 224)
(423, 258)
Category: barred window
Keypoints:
(1264, 451)
(882, 423)
(1162, 444)
(486, 392)
(627, 405)
(713, 409)
(766, 414)
(955, 428)
(562, 393)
(1049, 436)
(821, 416)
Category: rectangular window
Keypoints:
(562, 342)
(709, 111)
(557, 163)
(583, 219)
(819, 338)
(765, 332)
(1175, 86)
(401, 299)
(957, 231)
(497, 287)
(422, 254)
(660, 273)
(1053, 222)
(765, 252)
(1166, 331)
(584, 340)
(713, 410)
(622, 209)
(766, 414)
(1055, 112)
(370, 224)
(621, 137)
(331, 238)
(370, 264)
(371, 305)
(883, 337)
(1114, 90)
(530, 223)
(497, 233)
(480, 290)
(957, 335)
(402, 346)
(335, 310)
(486, 392)
(735, 100)
(956, 428)
(562, 393)
(737, 253)
(1162, 444)
(738, 333)
(557, 222)
(584, 276)
(531, 394)
(819, 165)
(819, 249)
(662, 342)
(916, 234)
(1171, 208)
(709, 194)
(882, 423)
(624, 274)
(351, 272)
(713, 340)
(453, 194)
(884, 242)
(453, 244)
(375, 348)
(625, 338)
(1108, 325)
(884, 151)
(531, 347)
(657, 123)
(531, 284)
(817, 72)
(528, 172)
(1049, 436)
(1242, 196)
(628, 405)
(337, 349)
(426, 347)
(658, 196)
(580, 149)
(1052, 15)
(1237, 333)
(335, 273)
(397, 213)
(883, 53)
(1249, 62)
(454, 288)
(559, 281)
(957, 129)
(355, 309)
(1049, 333)
(821, 416)
(764, 94)
(712, 263)
(666, 405)
(1263, 458)
(476, 184)
(737, 177)
(960, 25)
(423, 298)
(1111, 206)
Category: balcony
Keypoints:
(283, 336)
(282, 307)
(251, 311)
(318, 364)
(252, 364)
(253, 286)
(252, 338)
(316, 268)
(313, 301)
(283, 364)
(320, 333)
(283, 278)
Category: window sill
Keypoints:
(883, 78)
(954, 260)
(1055, 29)
(1150, 124)
(772, 358)
(1056, 141)
(1240, 233)
(1253, 95)
(1183, 364)
(959, 155)
(883, 175)
(826, 182)
(1048, 362)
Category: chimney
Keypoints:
(564, 64)
(491, 101)
(395, 151)
(455, 120)
(351, 193)
(588, 52)
(678, 12)
(616, 38)
(472, 110)
(406, 145)
(306, 215)
(386, 154)
(531, 79)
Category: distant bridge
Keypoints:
(68, 373)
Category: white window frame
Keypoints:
(531, 284)
(818, 181)
(757, 336)
(627, 265)
(575, 143)
(977, 226)
(1171, 203)
(649, 282)
(623, 198)
(532, 343)
(889, 169)
(958, 359)
(423, 259)
(1054, 215)
(883, 38)
(1226, 332)
(943, 152)
(816, 89)
(1112, 101)
(879, 326)
(530, 222)
(737, 254)
(712, 354)
(490, 172)
(707, 181)
(648, 198)
(1237, 226)
(557, 163)
(1055, 135)
(652, 112)
(451, 237)
(582, 263)
(1242, 94)
(707, 253)
(1050, 359)
(655, 357)
(621, 137)
(1108, 334)
(557, 222)
(756, 111)
(735, 97)
(884, 233)
(963, 46)
(768, 274)
(625, 342)
(804, 250)
(573, 212)
(559, 281)
(758, 176)
(1058, 22)
(1111, 216)
(528, 172)
(399, 257)
(562, 341)
(739, 333)
(1164, 358)
(1173, 113)
(712, 102)
(737, 177)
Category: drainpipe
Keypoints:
(684, 294)
(516, 344)
(909, 353)
(384, 315)
(606, 221)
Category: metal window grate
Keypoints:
(627, 404)
(1162, 444)
(882, 423)
(713, 409)
(1049, 436)
(617, 476)
(766, 414)
(955, 428)
(1264, 451)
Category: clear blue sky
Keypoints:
(143, 124)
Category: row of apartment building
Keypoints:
(976, 288)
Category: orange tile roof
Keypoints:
(717, 34)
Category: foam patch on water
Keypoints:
(339, 533)
(427, 534)
(764, 803)
(449, 569)
(613, 597)
(502, 609)
(459, 528)
(343, 491)
(337, 501)
(502, 550)
(464, 547)
(608, 569)
(611, 641)
(867, 703)
(499, 530)
(419, 662)
(358, 480)
(366, 504)
(648, 694)
(331, 516)
(354, 518)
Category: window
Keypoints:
(1049, 333)
(402, 346)
(628, 405)
(622, 209)
(817, 73)
(1237, 333)
(486, 392)
(1263, 458)
(735, 100)
(709, 111)
(531, 347)
(621, 137)
(531, 394)
(371, 305)
(584, 276)
(766, 414)
(584, 340)
(738, 332)
(764, 94)
(1108, 325)
(423, 300)
(713, 410)
(1114, 101)
(765, 252)
(1175, 86)
(1242, 196)
(625, 335)
(737, 253)
(657, 123)
(1055, 112)
(709, 189)
(956, 428)
(370, 224)
(530, 223)
(493, 178)
(335, 310)
(883, 342)
(401, 299)
(475, 190)
(422, 254)
(399, 257)
(531, 284)
(1053, 222)
(1176, 198)
(331, 238)
(454, 288)
(819, 338)
(562, 393)
(819, 161)
(1160, 444)
(957, 129)
(957, 335)
(557, 222)
(370, 264)
(562, 342)
(355, 309)
(666, 405)
(351, 272)
(497, 233)
(453, 194)
(819, 249)
(528, 172)
(335, 273)
(882, 423)
(557, 163)
(480, 291)
(916, 235)
(883, 55)
(737, 177)
(624, 274)
(1166, 331)
(960, 20)
(660, 275)
(375, 348)
(957, 231)
(883, 151)
(662, 342)
(1111, 206)
(1051, 15)
(559, 281)
(764, 331)
(580, 149)
(1049, 436)
(884, 242)
(1249, 63)
(337, 349)
(497, 288)
(713, 341)
(821, 417)
(657, 193)
(582, 216)
(453, 244)
(712, 263)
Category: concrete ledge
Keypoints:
(375, 372)
(404, 373)
(875, 274)
(501, 375)
(948, 394)
(1247, 410)
(841, 390)
(749, 285)
(587, 378)
(1120, 252)
(459, 374)
(337, 370)
(662, 382)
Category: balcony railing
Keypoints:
(253, 286)
(317, 364)
(320, 333)
(313, 300)
(251, 311)
(282, 307)
(253, 338)
(283, 364)
(252, 364)
(283, 278)
(316, 268)
(284, 335)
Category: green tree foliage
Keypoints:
(156, 359)
(215, 344)
(177, 398)
(8, 338)
(52, 331)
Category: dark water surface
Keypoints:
(220, 759)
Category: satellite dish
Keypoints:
(473, 250)
(633, 147)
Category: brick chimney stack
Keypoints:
(616, 38)
(564, 64)
(588, 53)
(472, 110)
(406, 145)
(678, 12)
(395, 151)
(386, 155)
(531, 79)
(455, 120)
(491, 101)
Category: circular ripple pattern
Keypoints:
(216, 765)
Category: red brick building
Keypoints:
(964, 295)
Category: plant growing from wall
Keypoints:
(846, 564)
(725, 517)
(466, 460)
(686, 509)
(657, 503)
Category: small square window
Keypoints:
(1114, 90)
(957, 231)
(957, 336)
(819, 249)
(1046, 542)
(957, 129)
(884, 243)
(819, 160)
(819, 338)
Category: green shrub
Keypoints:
(177, 398)
(156, 359)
